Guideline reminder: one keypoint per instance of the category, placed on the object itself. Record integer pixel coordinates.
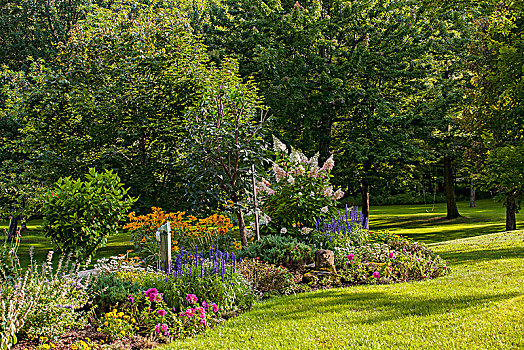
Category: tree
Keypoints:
(226, 138)
(495, 113)
(116, 100)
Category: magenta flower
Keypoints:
(391, 255)
(351, 257)
(189, 313)
(152, 294)
(164, 327)
(191, 298)
(157, 328)
(130, 298)
(162, 313)
(214, 307)
(376, 274)
(204, 304)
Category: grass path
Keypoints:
(416, 222)
(479, 305)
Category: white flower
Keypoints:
(305, 230)
(312, 194)
(314, 160)
(324, 210)
(295, 156)
(291, 180)
(299, 193)
(338, 194)
(279, 145)
(283, 230)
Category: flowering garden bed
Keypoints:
(135, 303)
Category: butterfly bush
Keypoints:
(298, 192)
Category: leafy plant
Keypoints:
(79, 215)
(280, 250)
(266, 278)
(107, 290)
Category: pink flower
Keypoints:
(191, 298)
(351, 257)
(329, 164)
(189, 313)
(157, 328)
(152, 294)
(162, 313)
(164, 327)
(204, 304)
(214, 307)
(130, 298)
(391, 255)
(376, 274)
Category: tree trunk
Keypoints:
(452, 210)
(242, 227)
(511, 209)
(472, 195)
(364, 191)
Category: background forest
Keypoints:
(417, 101)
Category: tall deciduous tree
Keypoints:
(226, 137)
(496, 114)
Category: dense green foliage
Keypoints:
(280, 250)
(80, 215)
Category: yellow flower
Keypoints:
(123, 332)
(52, 345)
(88, 340)
(46, 346)
(114, 311)
(74, 347)
(120, 314)
(126, 317)
(106, 323)
(133, 320)
(99, 329)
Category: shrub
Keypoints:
(299, 193)
(187, 231)
(79, 215)
(279, 250)
(266, 278)
(107, 290)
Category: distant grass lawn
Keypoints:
(480, 305)
(118, 244)
(413, 220)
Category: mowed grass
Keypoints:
(479, 305)
(118, 244)
(427, 224)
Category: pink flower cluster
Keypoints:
(162, 327)
(153, 295)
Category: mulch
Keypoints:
(65, 341)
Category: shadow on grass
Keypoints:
(461, 257)
(375, 307)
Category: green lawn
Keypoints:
(478, 306)
(416, 222)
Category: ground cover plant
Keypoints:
(478, 305)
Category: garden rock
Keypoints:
(325, 259)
